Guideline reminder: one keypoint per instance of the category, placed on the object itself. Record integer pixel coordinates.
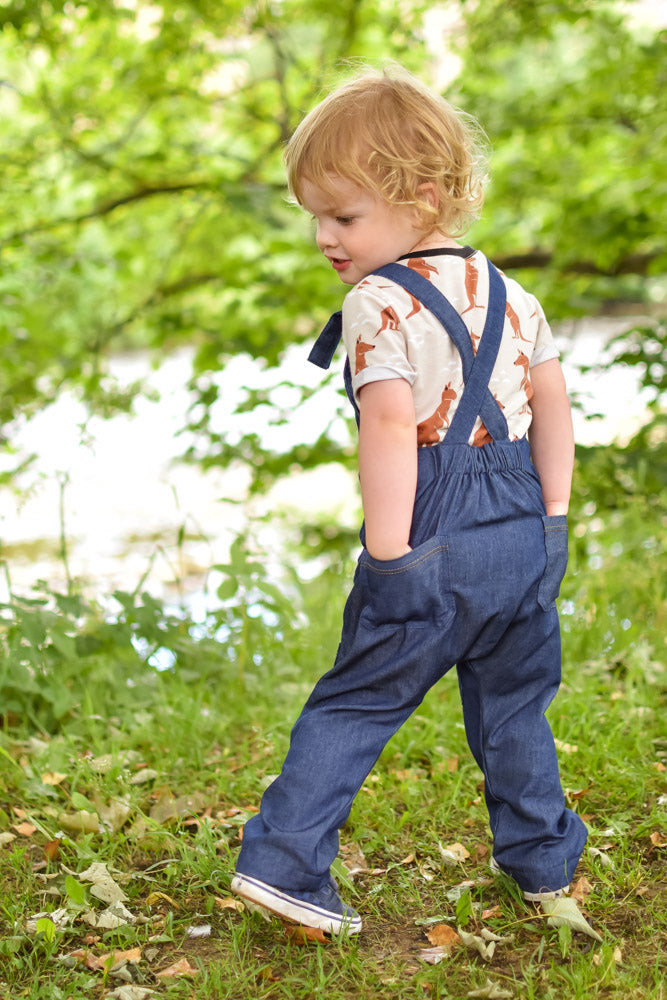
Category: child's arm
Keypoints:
(387, 465)
(551, 435)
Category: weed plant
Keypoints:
(105, 759)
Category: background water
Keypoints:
(125, 497)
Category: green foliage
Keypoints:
(143, 200)
(208, 727)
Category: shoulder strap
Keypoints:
(477, 399)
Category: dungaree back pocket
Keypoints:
(555, 541)
(413, 590)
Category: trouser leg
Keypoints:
(505, 694)
(382, 672)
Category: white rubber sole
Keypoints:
(534, 897)
(296, 911)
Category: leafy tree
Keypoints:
(143, 199)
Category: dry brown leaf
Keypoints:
(581, 889)
(657, 838)
(299, 934)
(229, 903)
(659, 766)
(444, 936)
(268, 976)
(453, 764)
(53, 778)
(579, 794)
(52, 849)
(180, 968)
(453, 853)
(25, 829)
(155, 897)
(494, 911)
(19, 813)
(407, 860)
(109, 961)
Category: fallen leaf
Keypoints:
(490, 991)
(51, 849)
(59, 918)
(603, 858)
(103, 886)
(564, 912)
(168, 809)
(268, 976)
(485, 948)
(407, 860)
(303, 935)
(25, 829)
(144, 776)
(494, 911)
(229, 904)
(130, 993)
(6, 838)
(155, 897)
(453, 854)
(579, 794)
(53, 778)
(581, 889)
(116, 915)
(180, 968)
(202, 931)
(115, 814)
(453, 764)
(443, 936)
(79, 822)
(433, 956)
(656, 838)
(488, 935)
(566, 747)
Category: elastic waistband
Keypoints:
(496, 456)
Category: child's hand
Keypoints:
(386, 553)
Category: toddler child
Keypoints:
(465, 464)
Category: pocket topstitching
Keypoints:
(412, 591)
(555, 542)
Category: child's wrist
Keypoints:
(556, 507)
(387, 551)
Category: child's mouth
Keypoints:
(340, 265)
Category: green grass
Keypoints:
(216, 727)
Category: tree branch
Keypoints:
(636, 263)
(106, 207)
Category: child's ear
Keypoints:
(428, 192)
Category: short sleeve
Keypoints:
(545, 348)
(374, 340)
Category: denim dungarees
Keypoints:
(477, 591)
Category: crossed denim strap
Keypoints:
(476, 400)
(324, 349)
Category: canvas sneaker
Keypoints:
(323, 909)
(533, 897)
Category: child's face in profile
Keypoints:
(357, 230)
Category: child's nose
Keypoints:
(324, 236)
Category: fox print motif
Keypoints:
(427, 430)
(360, 352)
(523, 362)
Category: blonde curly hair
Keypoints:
(388, 132)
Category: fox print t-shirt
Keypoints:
(390, 334)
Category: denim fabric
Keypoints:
(477, 591)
